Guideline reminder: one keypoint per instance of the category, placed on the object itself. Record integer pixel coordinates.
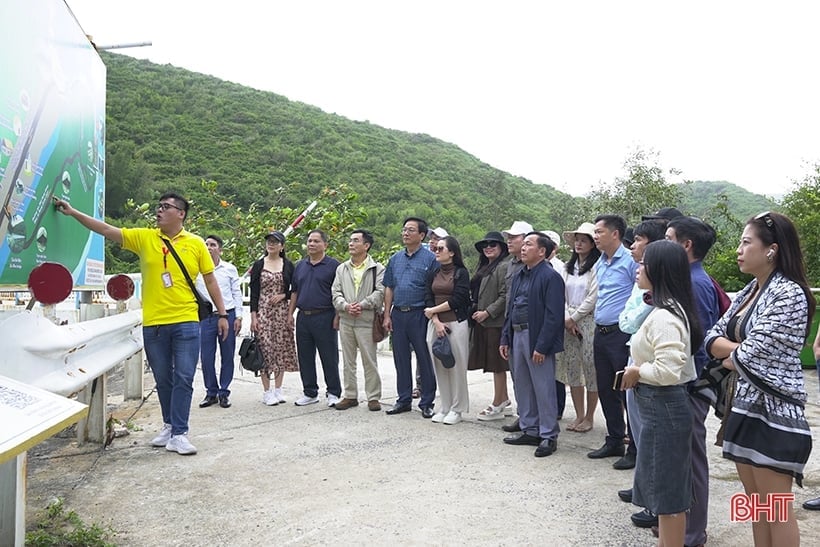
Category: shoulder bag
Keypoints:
(205, 308)
(250, 355)
(379, 332)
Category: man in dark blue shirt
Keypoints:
(316, 324)
(697, 237)
(405, 280)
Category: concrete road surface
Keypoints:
(313, 475)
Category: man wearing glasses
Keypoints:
(169, 309)
(405, 280)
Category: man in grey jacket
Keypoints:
(358, 293)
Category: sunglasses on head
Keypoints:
(767, 219)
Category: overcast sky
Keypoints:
(557, 92)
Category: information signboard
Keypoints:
(52, 143)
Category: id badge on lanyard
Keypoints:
(167, 282)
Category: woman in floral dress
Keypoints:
(270, 322)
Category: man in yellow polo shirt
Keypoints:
(170, 316)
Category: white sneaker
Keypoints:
(269, 398)
(332, 399)
(452, 418)
(181, 445)
(304, 400)
(280, 396)
(163, 437)
(438, 417)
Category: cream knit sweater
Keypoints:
(661, 349)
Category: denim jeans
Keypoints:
(209, 337)
(172, 352)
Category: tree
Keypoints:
(643, 190)
(802, 205)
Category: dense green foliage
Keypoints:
(802, 205)
(251, 161)
(172, 128)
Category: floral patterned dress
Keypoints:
(275, 337)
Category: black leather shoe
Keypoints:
(398, 409)
(644, 519)
(812, 505)
(523, 439)
(224, 402)
(626, 462)
(625, 495)
(427, 412)
(208, 401)
(607, 451)
(512, 428)
(547, 447)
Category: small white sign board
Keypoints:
(31, 415)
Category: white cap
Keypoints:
(554, 237)
(440, 232)
(518, 228)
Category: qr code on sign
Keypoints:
(16, 399)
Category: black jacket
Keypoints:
(256, 274)
(460, 299)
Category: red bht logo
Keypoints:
(743, 508)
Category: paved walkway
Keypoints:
(313, 475)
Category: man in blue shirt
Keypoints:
(405, 280)
(697, 237)
(316, 324)
(615, 272)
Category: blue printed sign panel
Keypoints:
(52, 143)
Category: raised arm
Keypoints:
(98, 226)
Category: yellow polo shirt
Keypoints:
(163, 305)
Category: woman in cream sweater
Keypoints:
(662, 365)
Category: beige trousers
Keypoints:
(361, 339)
(452, 382)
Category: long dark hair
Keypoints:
(776, 228)
(667, 267)
(485, 267)
(588, 264)
(452, 245)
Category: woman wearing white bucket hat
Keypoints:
(575, 365)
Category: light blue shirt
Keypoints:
(616, 277)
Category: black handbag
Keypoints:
(250, 355)
(204, 307)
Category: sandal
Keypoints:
(416, 393)
(583, 427)
(492, 412)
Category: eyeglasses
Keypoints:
(440, 249)
(491, 244)
(767, 219)
(408, 230)
(165, 206)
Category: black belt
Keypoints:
(226, 311)
(520, 326)
(606, 329)
(406, 308)
(315, 312)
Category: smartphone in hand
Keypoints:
(619, 380)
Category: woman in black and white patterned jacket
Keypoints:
(761, 336)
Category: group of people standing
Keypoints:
(637, 325)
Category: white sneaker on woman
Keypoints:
(280, 396)
(452, 418)
(269, 398)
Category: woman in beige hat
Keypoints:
(575, 365)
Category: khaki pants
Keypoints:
(361, 339)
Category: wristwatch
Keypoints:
(223, 316)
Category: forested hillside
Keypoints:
(171, 128)
(699, 196)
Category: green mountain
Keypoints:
(169, 128)
(700, 197)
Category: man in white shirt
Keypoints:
(228, 279)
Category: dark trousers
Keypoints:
(560, 396)
(208, 340)
(698, 514)
(410, 327)
(610, 355)
(316, 332)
